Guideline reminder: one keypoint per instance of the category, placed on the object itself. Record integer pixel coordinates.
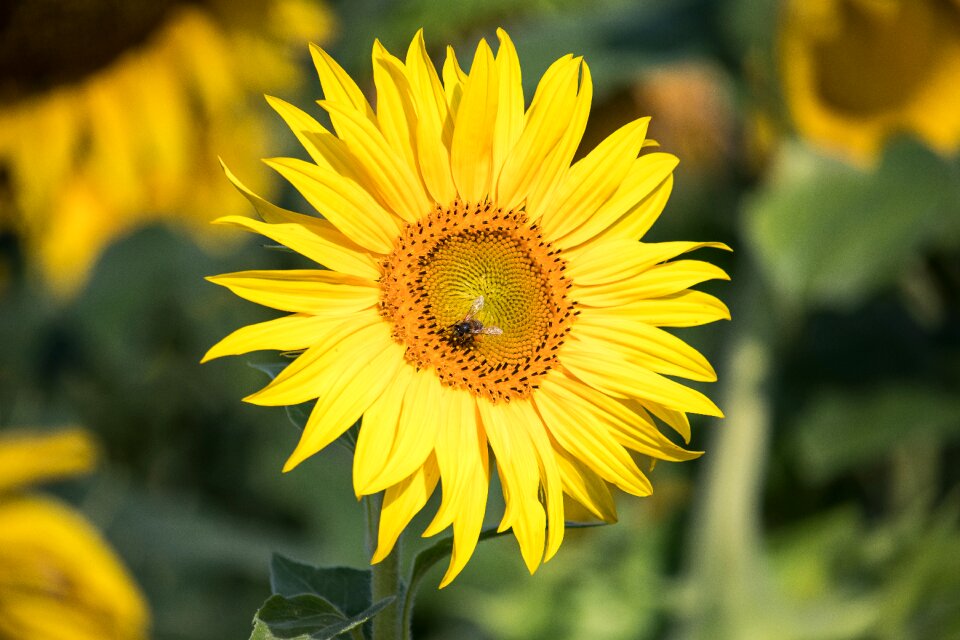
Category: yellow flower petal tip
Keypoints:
(482, 293)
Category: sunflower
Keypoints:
(110, 112)
(479, 294)
(59, 580)
(856, 72)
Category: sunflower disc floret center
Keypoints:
(447, 260)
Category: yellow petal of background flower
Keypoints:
(322, 293)
(28, 457)
(471, 151)
(66, 582)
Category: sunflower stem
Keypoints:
(386, 580)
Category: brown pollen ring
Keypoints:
(448, 259)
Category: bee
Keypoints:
(462, 333)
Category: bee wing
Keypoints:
(491, 331)
(474, 309)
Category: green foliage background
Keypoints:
(826, 505)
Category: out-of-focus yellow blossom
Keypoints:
(58, 578)
(112, 115)
(856, 72)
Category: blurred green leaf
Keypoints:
(825, 232)
(307, 617)
(348, 589)
(840, 430)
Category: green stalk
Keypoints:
(386, 576)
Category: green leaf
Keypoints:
(307, 617)
(346, 588)
(841, 430)
(827, 233)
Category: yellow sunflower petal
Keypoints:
(322, 293)
(339, 88)
(345, 257)
(592, 180)
(585, 486)
(434, 131)
(518, 469)
(681, 309)
(423, 409)
(392, 178)
(471, 152)
(614, 259)
(525, 416)
(635, 223)
(648, 346)
(396, 112)
(453, 80)
(591, 443)
(294, 385)
(549, 117)
(555, 166)
(346, 392)
(677, 420)
(379, 430)
(632, 203)
(461, 454)
(289, 333)
(661, 280)
(346, 204)
(510, 102)
(622, 379)
(627, 420)
(401, 502)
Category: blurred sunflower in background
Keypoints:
(479, 291)
(112, 114)
(59, 580)
(856, 72)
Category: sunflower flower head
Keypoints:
(58, 576)
(856, 72)
(480, 294)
